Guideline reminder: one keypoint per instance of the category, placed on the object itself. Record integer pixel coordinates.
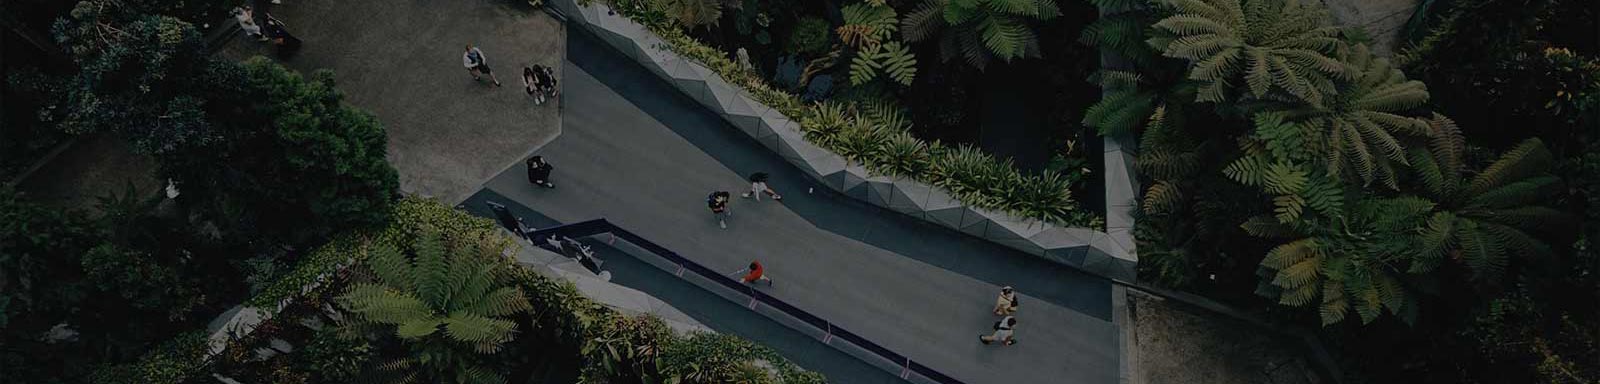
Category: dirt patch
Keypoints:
(1176, 345)
(1382, 20)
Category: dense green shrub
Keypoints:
(295, 168)
(809, 37)
(177, 361)
(135, 74)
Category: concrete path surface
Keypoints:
(917, 289)
(401, 60)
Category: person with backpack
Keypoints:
(1006, 304)
(1002, 332)
(718, 202)
(755, 272)
(539, 172)
(758, 185)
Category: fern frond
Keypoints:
(432, 284)
(923, 22)
(1163, 197)
(1267, 227)
(391, 267)
(1433, 243)
(1526, 158)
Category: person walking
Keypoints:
(718, 202)
(758, 185)
(477, 64)
(530, 82)
(753, 273)
(539, 172)
(1002, 332)
(1006, 304)
(247, 22)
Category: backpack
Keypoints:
(711, 201)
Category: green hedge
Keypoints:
(876, 137)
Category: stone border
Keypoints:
(1110, 254)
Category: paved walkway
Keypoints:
(401, 60)
(643, 156)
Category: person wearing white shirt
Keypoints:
(477, 63)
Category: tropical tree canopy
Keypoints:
(448, 305)
(1370, 257)
(1278, 49)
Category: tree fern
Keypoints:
(1360, 128)
(1124, 108)
(889, 59)
(1374, 247)
(447, 302)
(1278, 49)
(867, 24)
(980, 30)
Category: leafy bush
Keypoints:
(317, 163)
(809, 37)
(334, 359)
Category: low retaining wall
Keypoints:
(1110, 254)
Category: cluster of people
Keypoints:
(538, 80)
(1005, 306)
(274, 31)
(718, 201)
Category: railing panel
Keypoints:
(730, 288)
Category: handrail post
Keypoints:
(905, 371)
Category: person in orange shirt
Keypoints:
(755, 273)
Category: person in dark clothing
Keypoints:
(530, 82)
(758, 185)
(287, 44)
(547, 80)
(718, 202)
(539, 172)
